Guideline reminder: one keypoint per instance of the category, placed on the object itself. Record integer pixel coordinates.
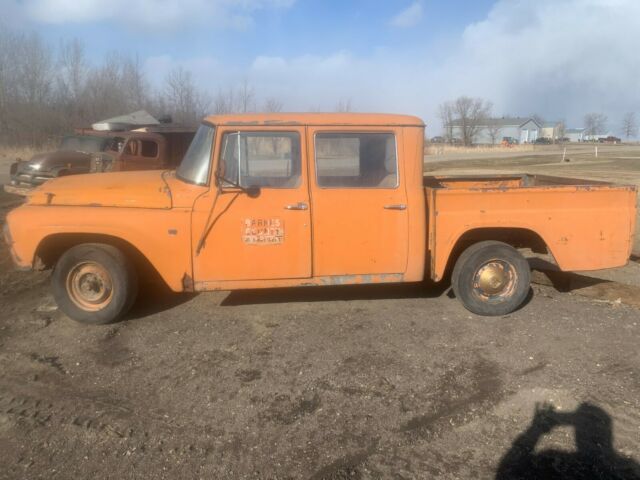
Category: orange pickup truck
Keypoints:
(275, 200)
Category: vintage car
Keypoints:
(91, 151)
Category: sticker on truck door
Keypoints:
(262, 231)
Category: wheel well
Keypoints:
(52, 247)
(516, 237)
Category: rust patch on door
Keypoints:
(263, 231)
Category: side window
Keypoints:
(356, 160)
(148, 148)
(261, 159)
(131, 148)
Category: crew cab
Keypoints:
(281, 200)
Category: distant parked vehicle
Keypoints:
(543, 141)
(72, 157)
(509, 141)
(610, 139)
(438, 139)
(90, 151)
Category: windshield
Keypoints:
(85, 144)
(195, 165)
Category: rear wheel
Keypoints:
(491, 278)
(94, 283)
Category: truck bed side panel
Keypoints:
(584, 227)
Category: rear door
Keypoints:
(359, 202)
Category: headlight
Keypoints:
(35, 166)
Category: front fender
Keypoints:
(161, 236)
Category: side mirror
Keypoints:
(253, 191)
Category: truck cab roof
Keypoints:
(316, 119)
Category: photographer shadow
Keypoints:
(594, 457)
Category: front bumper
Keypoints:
(22, 191)
(24, 179)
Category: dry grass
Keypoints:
(437, 149)
(8, 155)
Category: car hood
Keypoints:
(59, 158)
(146, 189)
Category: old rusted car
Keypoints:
(285, 200)
(89, 151)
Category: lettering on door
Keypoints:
(262, 231)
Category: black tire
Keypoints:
(491, 278)
(106, 271)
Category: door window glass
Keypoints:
(149, 148)
(261, 159)
(356, 160)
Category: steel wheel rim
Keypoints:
(494, 280)
(90, 286)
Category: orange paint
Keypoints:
(307, 233)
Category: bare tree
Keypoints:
(186, 103)
(560, 132)
(223, 102)
(468, 115)
(272, 104)
(493, 129)
(595, 124)
(445, 113)
(73, 70)
(246, 97)
(344, 105)
(629, 125)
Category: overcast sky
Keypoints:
(557, 58)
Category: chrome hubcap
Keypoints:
(494, 279)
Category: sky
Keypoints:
(559, 59)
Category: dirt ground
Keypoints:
(333, 383)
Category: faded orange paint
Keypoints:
(342, 236)
(585, 226)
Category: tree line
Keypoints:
(463, 118)
(46, 91)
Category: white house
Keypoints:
(575, 134)
(523, 130)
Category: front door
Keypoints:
(140, 154)
(257, 224)
(359, 203)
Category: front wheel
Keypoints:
(94, 283)
(491, 278)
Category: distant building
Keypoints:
(551, 130)
(521, 129)
(575, 134)
(599, 136)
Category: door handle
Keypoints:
(297, 206)
(399, 206)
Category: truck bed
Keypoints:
(584, 224)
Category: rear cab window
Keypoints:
(356, 160)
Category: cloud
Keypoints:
(558, 58)
(146, 14)
(409, 17)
